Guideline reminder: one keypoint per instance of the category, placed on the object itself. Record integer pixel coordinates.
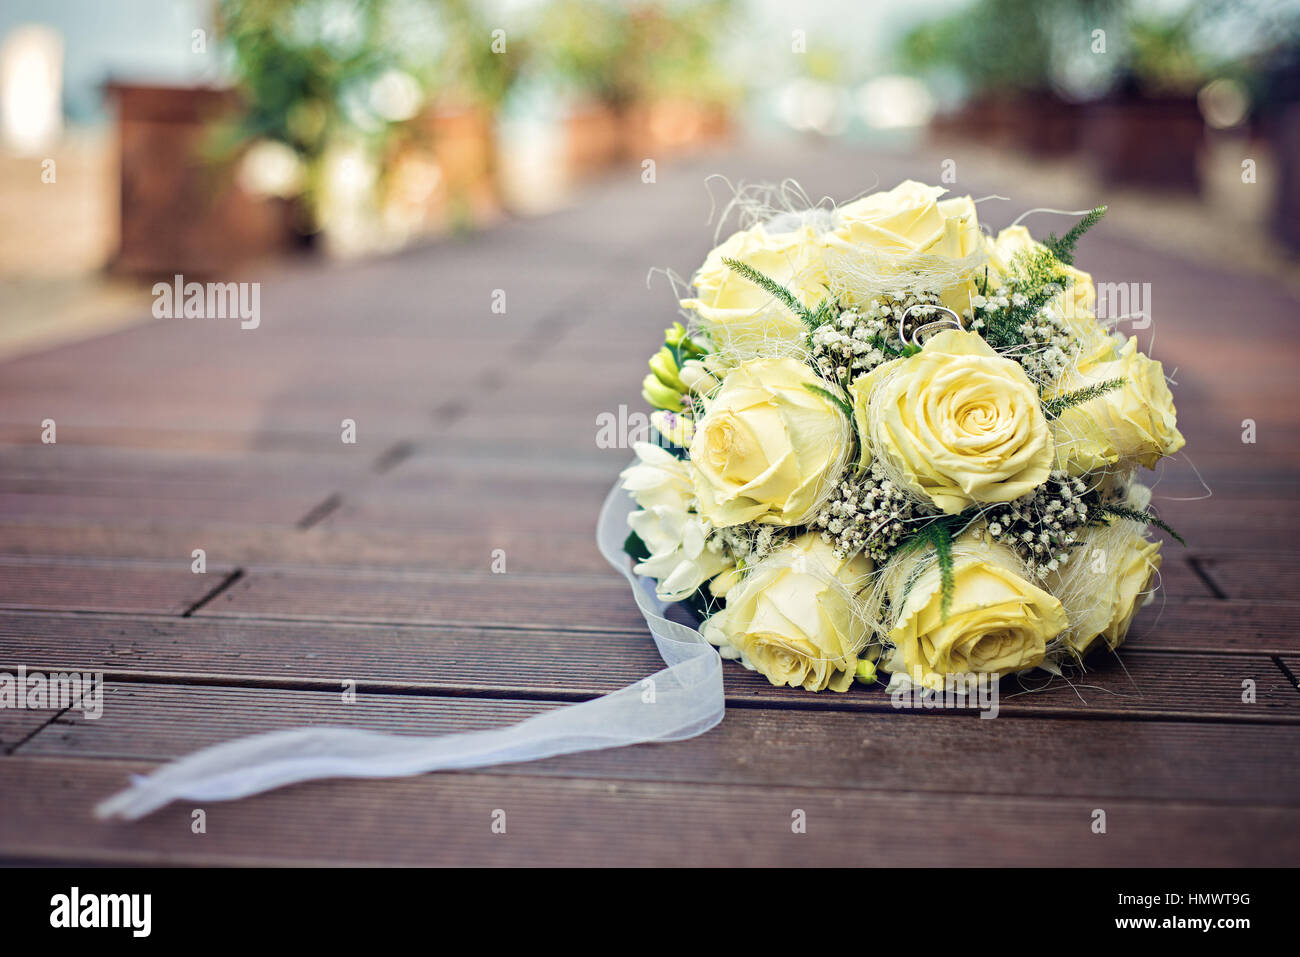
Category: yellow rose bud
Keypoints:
(792, 618)
(659, 395)
(744, 319)
(997, 622)
(957, 423)
(769, 447)
(1134, 423)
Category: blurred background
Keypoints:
(146, 138)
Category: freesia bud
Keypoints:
(664, 366)
(659, 395)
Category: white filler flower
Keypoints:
(682, 557)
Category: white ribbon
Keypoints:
(681, 701)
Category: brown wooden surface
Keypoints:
(372, 563)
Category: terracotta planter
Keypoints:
(180, 211)
(592, 140)
(1153, 143)
(671, 127)
(1044, 125)
(463, 144)
(1035, 123)
(989, 119)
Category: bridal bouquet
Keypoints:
(888, 442)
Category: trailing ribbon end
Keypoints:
(681, 701)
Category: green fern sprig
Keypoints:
(1063, 247)
(778, 291)
(1052, 408)
(837, 400)
(1138, 515)
(889, 349)
(939, 535)
(1037, 276)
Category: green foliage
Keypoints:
(302, 79)
(471, 68)
(1003, 47)
(827, 310)
(622, 51)
(701, 603)
(1137, 515)
(1063, 248)
(779, 292)
(1037, 278)
(1054, 407)
(939, 534)
(895, 351)
(635, 547)
(837, 400)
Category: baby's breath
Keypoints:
(868, 514)
(1043, 526)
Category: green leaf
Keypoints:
(635, 547)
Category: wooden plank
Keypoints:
(321, 545)
(568, 822)
(17, 724)
(1269, 525)
(893, 751)
(1217, 626)
(508, 600)
(1253, 577)
(568, 665)
(602, 602)
(87, 585)
(487, 503)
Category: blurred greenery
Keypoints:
(306, 67)
(620, 51)
(1001, 45)
(1008, 46)
(317, 73)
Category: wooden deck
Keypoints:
(371, 562)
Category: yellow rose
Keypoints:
(768, 447)
(1102, 583)
(1136, 422)
(957, 423)
(739, 316)
(997, 621)
(1075, 304)
(892, 232)
(792, 617)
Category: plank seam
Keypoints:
(1290, 675)
(738, 701)
(223, 585)
(320, 512)
(1197, 565)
